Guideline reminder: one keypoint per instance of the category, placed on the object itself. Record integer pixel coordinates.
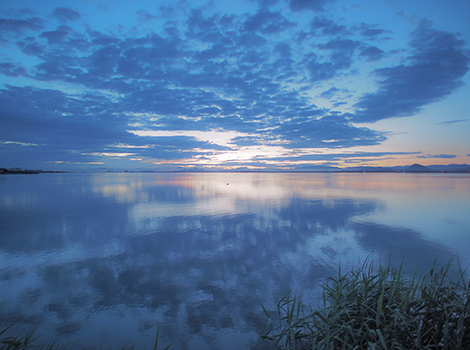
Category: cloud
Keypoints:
(82, 129)
(448, 122)
(431, 73)
(327, 26)
(144, 16)
(18, 26)
(320, 70)
(327, 132)
(210, 72)
(442, 156)
(64, 14)
(56, 36)
(313, 5)
(12, 69)
(267, 22)
(50, 117)
(340, 156)
(372, 53)
(265, 3)
(329, 93)
(342, 52)
(17, 143)
(185, 142)
(20, 12)
(370, 31)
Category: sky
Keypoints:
(233, 85)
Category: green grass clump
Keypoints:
(387, 309)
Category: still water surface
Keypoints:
(101, 259)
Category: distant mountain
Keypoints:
(418, 168)
(451, 167)
(369, 169)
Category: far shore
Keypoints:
(415, 168)
(4, 171)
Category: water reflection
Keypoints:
(95, 257)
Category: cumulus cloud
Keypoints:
(144, 16)
(12, 69)
(64, 14)
(372, 53)
(15, 27)
(342, 52)
(329, 93)
(370, 30)
(56, 36)
(256, 74)
(29, 113)
(84, 127)
(313, 5)
(433, 71)
(331, 131)
(326, 26)
(266, 3)
(267, 22)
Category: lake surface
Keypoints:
(102, 259)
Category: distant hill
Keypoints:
(418, 168)
(369, 169)
(451, 167)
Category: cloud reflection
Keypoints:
(185, 252)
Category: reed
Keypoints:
(388, 309)
(27, 341)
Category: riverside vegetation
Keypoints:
(362, 309)
(387, 309)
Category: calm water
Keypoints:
(107, 258)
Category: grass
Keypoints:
(26, 341)
(387, 309)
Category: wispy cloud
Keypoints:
(442, 156)
(18, 143)
(452, 122)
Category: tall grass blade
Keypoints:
(155, 344)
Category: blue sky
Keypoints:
(256, 84)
